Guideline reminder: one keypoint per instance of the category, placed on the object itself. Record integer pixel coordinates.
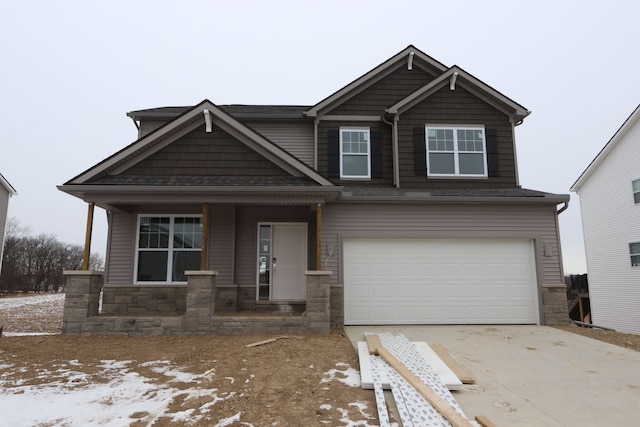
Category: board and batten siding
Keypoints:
(294, 137)
(536, 222)
(611, 220)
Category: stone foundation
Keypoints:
(555, 307)
(203, 302)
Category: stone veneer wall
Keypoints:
(555, 307)
(83, 291)
(144, 299)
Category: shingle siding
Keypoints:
(201, 153)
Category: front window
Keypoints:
(636, 190)
(456, 151)
(354, 153)
(167, 246)
(634, 251)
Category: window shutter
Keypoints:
(420, 150)
(491, 136)
(376, 154)
(333, 153)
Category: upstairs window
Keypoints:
(636, 190)
(453, 151)
(166, 247)
(355, 151)
(634, 252)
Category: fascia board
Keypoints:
(604, 152)
(372, 76)
(426, 198)
(468, 82)
(141, 143)
(12, 191)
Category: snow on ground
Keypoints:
(31, 314)
(48, 302)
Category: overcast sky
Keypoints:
(70, 71)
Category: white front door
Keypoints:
(285, 261)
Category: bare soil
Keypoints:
(280, 383)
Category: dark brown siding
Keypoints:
(448, 107)
(211, 154)
(387, 152)
(383, 94)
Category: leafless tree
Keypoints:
(36, 263)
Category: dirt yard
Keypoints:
(200, 381)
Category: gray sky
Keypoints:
(71, 70)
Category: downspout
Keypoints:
(564, 207)
(315, 143)
(394, 146)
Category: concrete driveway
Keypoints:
(536, 375)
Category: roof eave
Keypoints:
(426, 198)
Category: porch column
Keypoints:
(205, 236)
(87, 239)
(318, 301)
(201, 302)
(319, 237)
(82, 299)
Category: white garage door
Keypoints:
(439, 282)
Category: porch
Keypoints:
(206, 310)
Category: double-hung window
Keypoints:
(636, 190)
(634, 252)
(355, 152)
(167, 246)
(456, 151)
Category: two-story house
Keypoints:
(399, 192)
(609, 191)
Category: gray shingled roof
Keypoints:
(230, 181)
(235, 110)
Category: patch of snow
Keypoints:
(43, 300)
(349, 376)
(325, 407)
(228, 421)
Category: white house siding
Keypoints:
(611, 221)
(4, 207)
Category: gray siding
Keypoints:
(119, 270)
(206, 154)
(147, 126)
(444, 222)
(294, 137)
(222, 226)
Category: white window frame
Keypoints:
(367, 154)
(635, 187)
(633, 254)
(170, 250)
(457, 152)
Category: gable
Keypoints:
(206, 154)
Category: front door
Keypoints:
(282, 261)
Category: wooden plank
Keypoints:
(457, 420)
(484, 421)
(453, 364)
(255, 344)
(423, 351)
(87, 239)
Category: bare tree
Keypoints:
(36, 264)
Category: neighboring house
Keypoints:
(6, 191)
(609, 191)
(402, 184)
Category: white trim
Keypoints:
(456, 152)
(170, 249)
(368, 154)
(634, 191)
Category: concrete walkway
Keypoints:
(536, 375)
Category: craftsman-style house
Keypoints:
(609, 190)
(395, 200)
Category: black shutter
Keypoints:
(376, 154)
(420, 150)
(493, 168)
(333, 153)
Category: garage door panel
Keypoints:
(439, 282)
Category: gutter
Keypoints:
(427, 197)
(564, 207)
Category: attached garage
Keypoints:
(470, 281)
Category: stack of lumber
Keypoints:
(419, 380)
